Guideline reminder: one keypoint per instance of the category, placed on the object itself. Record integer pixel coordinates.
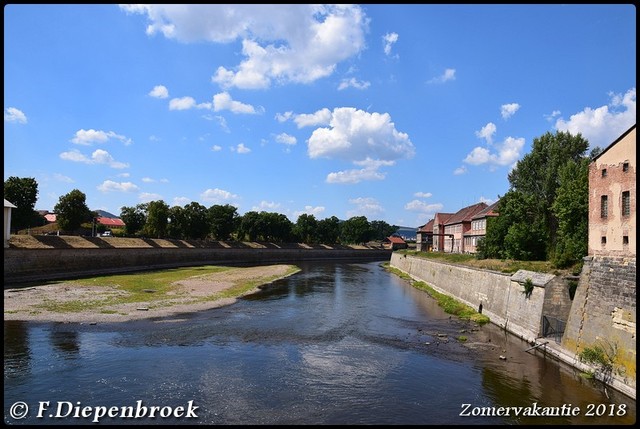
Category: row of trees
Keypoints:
(544, 215)
(195, 221)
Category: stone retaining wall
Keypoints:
(28, 265)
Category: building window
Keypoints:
(604, 172)
(625, 167)
(625, 240)
(603, 240)
(626, 203)
(604, 206)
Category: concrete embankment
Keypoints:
(33, 265)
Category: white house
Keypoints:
(7, 221)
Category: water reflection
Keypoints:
(334, 344)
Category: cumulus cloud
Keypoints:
(89, 137)
(97, 157)
(280, 42)
(240, 148)
(368, 207)
(62, 178)
(449, 74)
(310, 210)
(111, 186)
(159, 91)
(508, 110)
(320, 117)
(218, 196)
(286, 139)
(389, 39)
(216, 148)
(179, 201)
(183, 103)
(353, 83)
(369, 172)
(507, 153)
(459, 171)
(11, 114)
(423, 194)
(223, 101)
(487, 132)
(422, 207)
(266, 206)
(601, 126)
(284, 117)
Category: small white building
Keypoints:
(7, 221)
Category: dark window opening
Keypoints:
(625, 239)
(625, 167)
(604, 206)
(604, 172)
(603, 240)
(626, 203)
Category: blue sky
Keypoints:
(393, 112)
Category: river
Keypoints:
(337, 343)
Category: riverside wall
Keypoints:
(502, 297)
(34, 265)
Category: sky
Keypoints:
(389, 111)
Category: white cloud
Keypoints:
(266, 206)
(354, 176)
(223, 101)
(159, 91)
(368, 207)
(97, 157)
(280, 43)
(11, 114)
(320, 117)
(487, 132)
(218, 196)
(603, 125)
(89, 137)
(62, 178)
(148, 180)
(422, 207)
(508, 110)
(507, 153)
(216, 148)
(356, 135)
(389, 39)
(423, 194)
(241, 148)
(310, 210)
(184, 103)
(180, 201)
(111, 186)
(449, 74)
(552, 116)
(459, 171)
(147, 197)
(353, 83)
(486, 200)
(286, 139)
(283, 117)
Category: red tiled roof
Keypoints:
(395, 239)
(466, 214)
(443, 217)
(489, 211)
(428, 227)
(112, 222)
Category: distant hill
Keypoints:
(102, 213)
(407, 232)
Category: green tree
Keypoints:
(223, 221)
(306, 228)
(329, 230)
(72, 211)
(157, 219)
(177, 225)
(355, 230)
(536, 177)
(250, 227)
(196, 221)
(22, 192)
(381, 229)
(571, 208)
(275, 227)
(134, 218)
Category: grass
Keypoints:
(449, 304)
(152, 288)
(501, 265)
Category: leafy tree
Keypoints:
(223, 221)
(381, 229)
(536, 177)
(72, 211)
(22, 192)
(134, 218)
(571, 208)
(250, 227)
(329, 230)
(306, 228)
(177, 225)
(276, 227)
(157, 219)
(196, 221)
(355, 230)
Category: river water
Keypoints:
(337, 343)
